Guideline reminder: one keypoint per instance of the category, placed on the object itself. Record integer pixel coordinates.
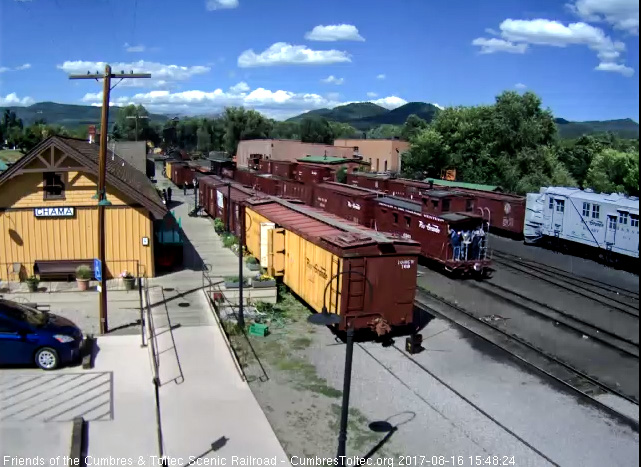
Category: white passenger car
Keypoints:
(607, 222)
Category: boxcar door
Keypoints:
(558, 215)
(611, 230)
(265, 227)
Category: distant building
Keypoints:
(384, 155)
(250, 151)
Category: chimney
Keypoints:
(92, 134)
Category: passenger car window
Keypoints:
(634, 220)
(6, 328)
(586, 209)
(596, 211)
(22, 313)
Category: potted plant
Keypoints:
(83, 276)
(252, 263)
(263, 281)
(32, 283)
(232, 282)
(128, 279)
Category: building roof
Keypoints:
(401, 203)
(576, 193)
(323, 160)
(120, 174)
(468, 186)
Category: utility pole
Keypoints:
(102, 174)
(137, 117)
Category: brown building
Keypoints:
(383, 155)
(250, 151)
(49, 215)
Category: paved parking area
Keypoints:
(27, 395)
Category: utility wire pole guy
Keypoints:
(102, 168)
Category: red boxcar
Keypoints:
(284, 169)
(245, 177)
(311, 173)
(371, 182)
(268, 184)
(181, 174)
(351, 203)
(265, 166)
(297, 190)
(407, 219)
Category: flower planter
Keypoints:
(83, 284)
(263, 284)
(32, 286)
(253, 266)
(130, 283)
(232, 285)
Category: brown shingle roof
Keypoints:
(120, 174)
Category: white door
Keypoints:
(557, 215)
(611, 231)
(265, 227)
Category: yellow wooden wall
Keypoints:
(25, 238)
(305, 264)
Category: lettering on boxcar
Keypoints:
(406, 263)
(508, 222)
(316, 269)
(429, 227)
(353, 205)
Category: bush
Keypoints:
(84, 273)
(229, 240)
(232, 279)
(219, 225)
(251, 260)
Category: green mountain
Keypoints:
(345, 113)
(398, 115)
(625, 128)
(67, 115)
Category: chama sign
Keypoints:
(61, 211)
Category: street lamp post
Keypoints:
(328, 319)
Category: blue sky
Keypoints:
(284, 57)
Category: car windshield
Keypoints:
(22, 313)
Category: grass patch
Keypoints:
(301, 343)
(10, 155)
(359, 435)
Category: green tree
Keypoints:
(614, 171)
(285, 130)
(384, 132)
(316, 130)
(343, 130)
(413, 125)
(243, 124)
(427, 156)
(131, 123)
(204, 137)
(341, 175)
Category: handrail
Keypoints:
(156, 377)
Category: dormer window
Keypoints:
(53, 185)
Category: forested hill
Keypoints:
(625, 128)
(67, 115)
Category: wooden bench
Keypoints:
(60, 269)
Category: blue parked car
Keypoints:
(30, 336)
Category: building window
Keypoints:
(469, 205)
(446, 205)
(586, 209)
(408, 222)
(596, 211)
(435, 203)
(395, 218)
(551, 205)
(54, 186)
(634, 221)
(560, 205)
(623, 218)
(385, 164)
(612, 222)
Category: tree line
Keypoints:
(514, 143)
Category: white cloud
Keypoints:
(492, 32)
(13, 100)
(381, 76)
(333, 33)
(24, 66)
(161, 75)
(390, 102)
(490, 46)
(331, 79)
(134, 48)
(518, 35)
(275, 104)
(372, 95)
(622, 14)
(282, 53)
(212, 5)
(240, 87)
(520, 86)
(615, 68)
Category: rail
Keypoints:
(155, 359)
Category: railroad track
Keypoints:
(607, 295)
(563, 373)
(559, 317)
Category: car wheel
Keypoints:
(47, 358)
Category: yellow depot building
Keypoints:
(49, 214)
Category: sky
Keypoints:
(285, 57)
